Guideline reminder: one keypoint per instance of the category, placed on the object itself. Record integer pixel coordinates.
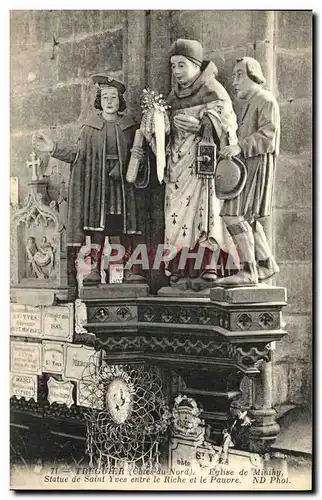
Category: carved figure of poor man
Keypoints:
(258, 145)
(200, 110)
(101, 203)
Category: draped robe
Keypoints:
(258, 137)
(192, 210)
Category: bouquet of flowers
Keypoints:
(154, 127)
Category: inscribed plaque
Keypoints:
(60, 392)
(24, 386)
(78, 359)
(57, 322)
(187, 454)
(25, 321)
(53, 357)
(116, 273)
(25, 357)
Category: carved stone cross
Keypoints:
(34, 163)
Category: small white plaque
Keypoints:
(53, 357)
(60, 392)
(116, 273)
(58, 322)
(24, 386)
(25, 321)
(26, 357)
(78, 358)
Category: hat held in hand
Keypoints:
(230, 178)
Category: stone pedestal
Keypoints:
(210, 341)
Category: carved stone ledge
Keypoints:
(119, 291)
(184, 351)
(41, 296)
(42, 408)
(249, 295)
(122, 313)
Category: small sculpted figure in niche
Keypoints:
(201, 116)
(40, 260)
(258, 146)
(102, 206)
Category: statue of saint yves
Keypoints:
(199, 106)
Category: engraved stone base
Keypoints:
(107, 291)
(249, 295)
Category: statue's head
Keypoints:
(247, 76)
(109, 96)
(186, 57)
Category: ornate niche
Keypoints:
(38, 237)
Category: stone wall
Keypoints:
(293, 204)
(50, 90)
(49, 84)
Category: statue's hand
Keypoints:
(229, 151)
(186, 123)
(42, 143)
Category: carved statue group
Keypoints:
(217, 161)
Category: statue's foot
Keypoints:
(267, 269)
(209, 275)
(241, 278)
(131, 277)
(174, 278)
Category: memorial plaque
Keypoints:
(25, 321)
(23, 386)
(53, 357)
(60, 392)
(58, 322)
(186, 454)
(26, 357)
(78, 359)
(116, 273)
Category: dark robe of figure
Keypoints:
(100, 199)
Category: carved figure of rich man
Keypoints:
(258, 145)
(200, 108)
(101, 203)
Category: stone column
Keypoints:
(264, 429)
(262, 312)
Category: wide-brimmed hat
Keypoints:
(230, 178)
